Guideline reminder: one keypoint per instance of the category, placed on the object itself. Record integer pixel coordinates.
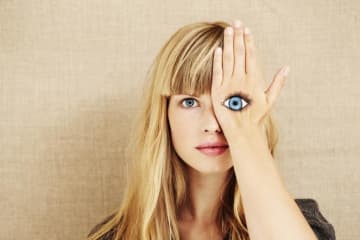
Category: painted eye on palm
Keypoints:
(235, 103)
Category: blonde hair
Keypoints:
(156, 186)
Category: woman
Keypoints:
(203, 148)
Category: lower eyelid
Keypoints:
(181, 102)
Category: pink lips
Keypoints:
(212, 149)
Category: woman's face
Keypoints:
(192, 123)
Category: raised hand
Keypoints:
(240, 101)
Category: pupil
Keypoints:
(235, 102)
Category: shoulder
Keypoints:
(109, 235)
(310, 209)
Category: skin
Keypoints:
(193, 122)
(267, 204)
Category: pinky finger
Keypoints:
(217, 68)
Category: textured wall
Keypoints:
(70, 81)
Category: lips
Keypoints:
(212, 145)
(212, 149)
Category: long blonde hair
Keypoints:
(156, 184)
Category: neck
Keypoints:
(203, 196)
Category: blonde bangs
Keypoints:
(191, 72)
(196, 78)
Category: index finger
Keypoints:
(217, 68)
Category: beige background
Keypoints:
(70, 81)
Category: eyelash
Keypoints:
(182, 101)
(189, 98)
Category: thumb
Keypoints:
(276, 85)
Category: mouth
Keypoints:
(212, 151)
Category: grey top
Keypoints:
(309, 207)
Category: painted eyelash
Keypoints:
(242, 95)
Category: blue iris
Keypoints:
(188, 100)
(234, 103)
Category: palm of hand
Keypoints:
(237, 73)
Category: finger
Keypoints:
(239, 49)
(217, 68)
(250, 53)
(228, 55)
(274, 89)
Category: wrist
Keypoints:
(251, 144)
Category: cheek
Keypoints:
(183, 128)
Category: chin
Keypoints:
(211, 167)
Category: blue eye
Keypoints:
(187, 102)
(235, 103)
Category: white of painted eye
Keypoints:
(235, 103)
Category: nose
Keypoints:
(211, 124)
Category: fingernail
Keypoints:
(286, 70)
(247, 31)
